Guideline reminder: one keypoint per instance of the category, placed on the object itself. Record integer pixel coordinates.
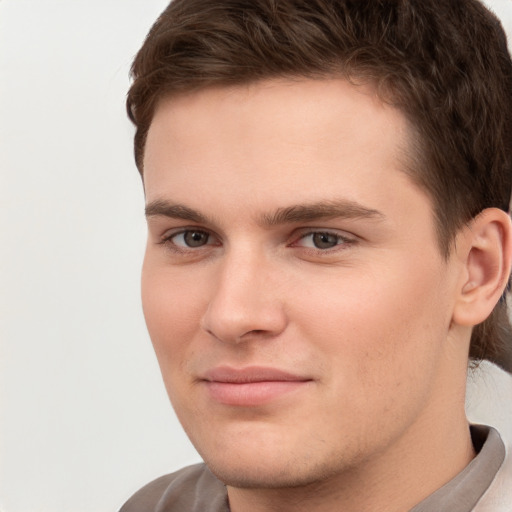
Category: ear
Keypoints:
(486, 248)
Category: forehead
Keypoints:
(315, 139)
(299, 112)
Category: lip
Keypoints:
(251, 386)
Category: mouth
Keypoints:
(251, 386)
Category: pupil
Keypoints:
(324, 240)
(195, 238)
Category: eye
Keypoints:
(189, 239)
(322, 240)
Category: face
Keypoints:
(292, 286)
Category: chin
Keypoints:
(263, 470)
(262, 454)
(247, 476)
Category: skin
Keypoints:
(367, 318)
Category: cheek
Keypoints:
(173, 304)
(378, 331)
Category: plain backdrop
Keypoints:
(84, 419)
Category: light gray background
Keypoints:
(84, 419)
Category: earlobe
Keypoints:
(487, 252)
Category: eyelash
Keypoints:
(341, 241)
(167, 240)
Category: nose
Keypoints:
(245, 302)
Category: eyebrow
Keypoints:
(174, 211)
(322, 210)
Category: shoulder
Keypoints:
(191, 489)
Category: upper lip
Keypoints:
(250, 374)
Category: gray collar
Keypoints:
(462, 493)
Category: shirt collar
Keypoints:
(462, 493)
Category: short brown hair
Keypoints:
(444, 64)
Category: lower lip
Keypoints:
(251, 394)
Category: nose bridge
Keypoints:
(243, 303)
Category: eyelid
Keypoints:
(344, 238)
(167, 236)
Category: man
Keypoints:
(327, 185)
